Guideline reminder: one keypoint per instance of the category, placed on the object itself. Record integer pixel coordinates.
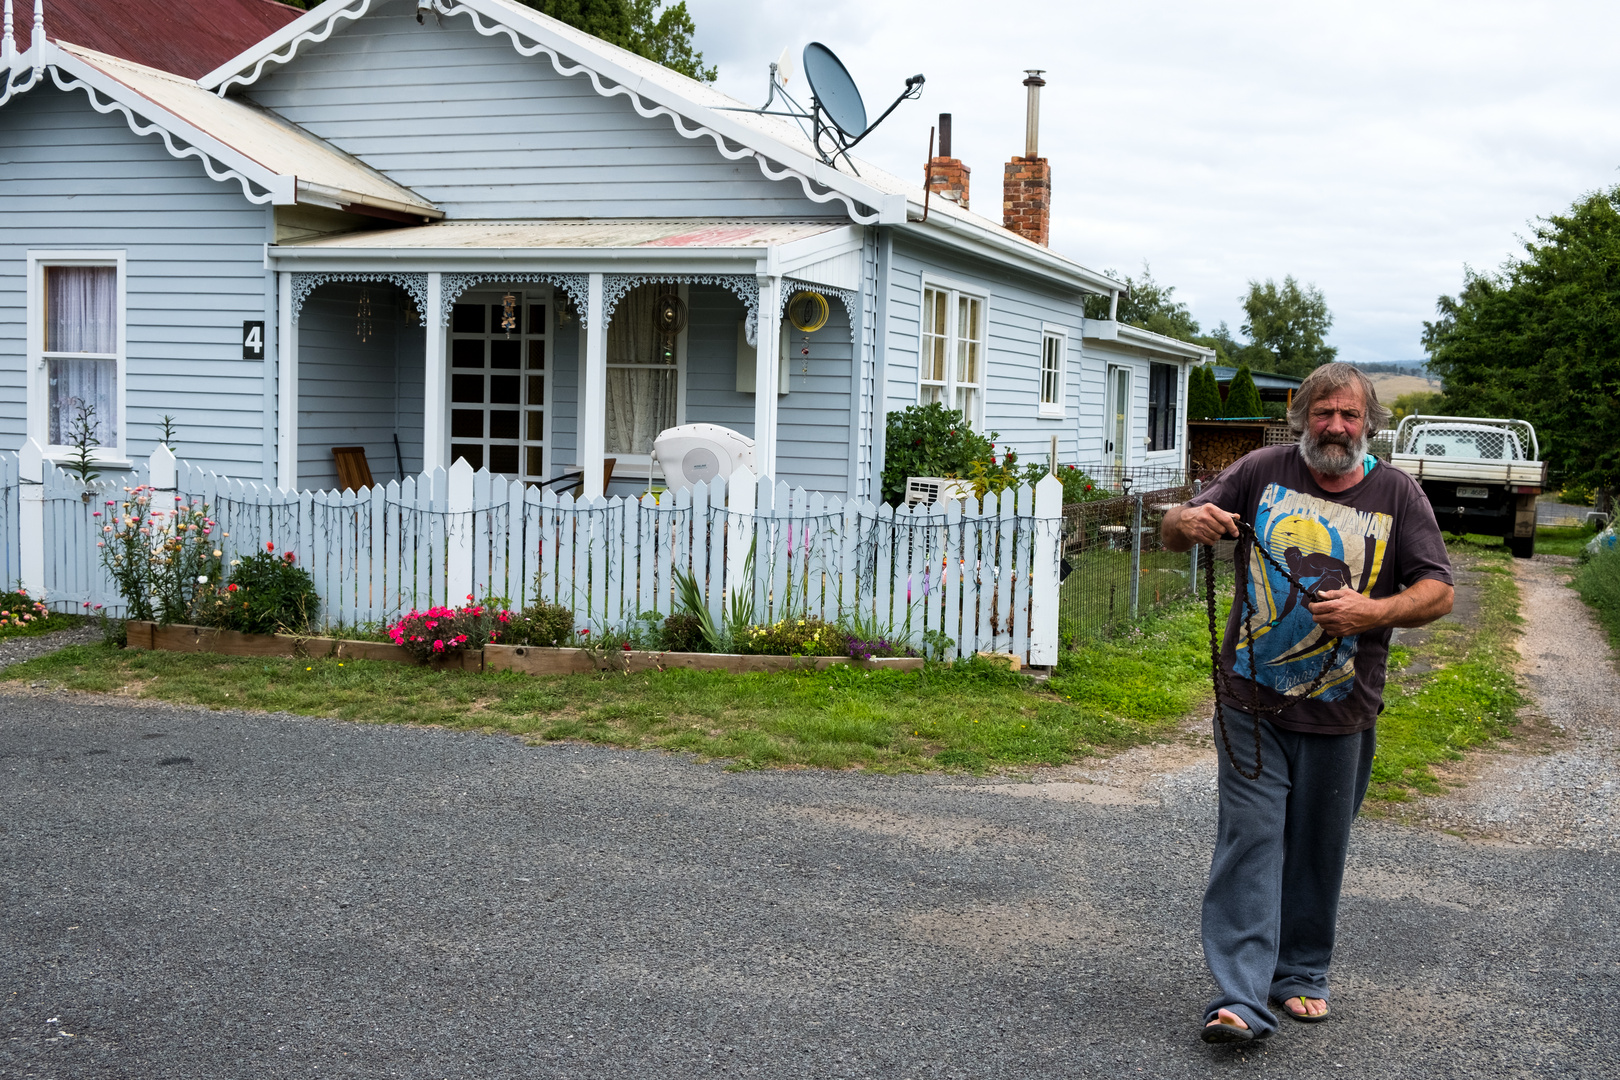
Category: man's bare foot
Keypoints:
(1229, 1018)
(1307, 1009)
(1227, 1027)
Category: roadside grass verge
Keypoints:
(971, 716)
(1457, 690)
(1598, 582)
(1555, 540)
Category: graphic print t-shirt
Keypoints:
(1376, 538)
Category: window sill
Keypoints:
(60, 459)
(1050, 412)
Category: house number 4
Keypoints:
(253, 340)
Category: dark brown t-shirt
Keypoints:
(1378, 538)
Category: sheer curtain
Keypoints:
(640, 381)
(81, 316)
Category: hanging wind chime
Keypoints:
(362, 316)
(508, 314)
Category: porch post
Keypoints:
(593, 391)
(286, 387)
(433, 411)
(767, 374)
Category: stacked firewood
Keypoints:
(1212, 449)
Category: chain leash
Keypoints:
(1224, 694)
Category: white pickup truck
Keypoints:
(1481, 475)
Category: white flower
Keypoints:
(202, 579)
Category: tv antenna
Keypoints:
(837, 114)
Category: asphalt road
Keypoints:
(196, 894)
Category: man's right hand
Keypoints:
(1185, 526)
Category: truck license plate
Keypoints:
(1473, 493)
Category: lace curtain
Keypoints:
(641, 381)
(81, 316)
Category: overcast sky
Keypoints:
(1373, 148)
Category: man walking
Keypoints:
(1362, 538)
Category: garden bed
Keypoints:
(527, 659)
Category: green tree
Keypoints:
(1242, 398)
(1540, 341)
(1290, 323)
(1147, 305)
(1203, 395)
(664, 37)
(1417, 403)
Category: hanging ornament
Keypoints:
(808, 311)
(669, 319)
(362, 316)
(508, 314)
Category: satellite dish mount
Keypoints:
(837, 115)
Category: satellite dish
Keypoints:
(834, 90)
(706, 452)
(784, 65)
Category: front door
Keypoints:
(1119, 416)
(499, 419)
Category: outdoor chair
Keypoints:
(575, 478)
(353, 472)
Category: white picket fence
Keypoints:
(983, 578)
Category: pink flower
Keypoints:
(269, 546)
(438, 646)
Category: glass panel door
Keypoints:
(498, 402)
(1119, 410)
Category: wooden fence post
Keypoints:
(1044, 583)
(31, 518)
(458, 528)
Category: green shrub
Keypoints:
(1203, 396)
(794, 637)
(930, 440)
(683, 633)
(1242, 399)
(160, 555)
(267, 594)
(550, 625)
(1598, 582)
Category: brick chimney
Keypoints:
(1026, 185)
(948, 177)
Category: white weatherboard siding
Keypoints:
(1017, 311)
(75, 179)
(813, 437)
(354, 393)
(417, 102)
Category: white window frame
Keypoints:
(632, 465)
(1055, 408)
(955, 292)
(39, 391)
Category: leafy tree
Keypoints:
(1290, 323)
(1540, 341)
(1203, 394)
(1242, 398)
(1419, 402)
(1147, 305)
(664, 37)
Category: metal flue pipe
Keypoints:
(1032, 118)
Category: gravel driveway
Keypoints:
(199, 894)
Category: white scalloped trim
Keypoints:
(314, 35)
(13, 89)
(679, 121)
(222, 174)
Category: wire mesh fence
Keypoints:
(1116, 566)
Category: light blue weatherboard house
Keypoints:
(449, 228)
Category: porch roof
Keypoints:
(679, 233)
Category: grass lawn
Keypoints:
(1561, 541)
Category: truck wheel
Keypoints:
(1522, 546)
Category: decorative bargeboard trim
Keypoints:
(577, 286)
(616, 287)
(791, 285)
(313, 36)
(304, 283)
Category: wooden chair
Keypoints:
(576, 477)
(353, 472)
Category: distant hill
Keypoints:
(1417, 368)
(1391, 386)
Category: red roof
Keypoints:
(185, 37)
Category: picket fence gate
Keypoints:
(974, 578)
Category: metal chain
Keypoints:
(1224, 694)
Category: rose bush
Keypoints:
(442, 631)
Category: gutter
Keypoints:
(1001, 245)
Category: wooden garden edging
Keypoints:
(526, 659)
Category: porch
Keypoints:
(537, 349)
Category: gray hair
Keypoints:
(1327, 379)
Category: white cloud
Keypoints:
(1373, 148)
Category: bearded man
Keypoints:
(1361, 536)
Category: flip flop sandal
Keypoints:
(1303, 1018)
(1226, 1034)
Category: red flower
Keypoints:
(268, 546)
(289, 556)
(232, 587)
(627, 646)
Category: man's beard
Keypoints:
(1332, 455)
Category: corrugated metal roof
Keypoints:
(683, 233)
(186, 37)
(1263, 380)
(276, 144)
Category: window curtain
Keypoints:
(81, 316)
(641, 392)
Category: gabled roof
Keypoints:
(273, 161)
(165, 34)
(782, 150)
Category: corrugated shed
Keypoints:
(186, 37)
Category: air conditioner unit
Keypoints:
(694, 452)
(931, 489)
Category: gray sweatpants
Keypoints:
(1273, 896)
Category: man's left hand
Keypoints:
(1344, 612)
